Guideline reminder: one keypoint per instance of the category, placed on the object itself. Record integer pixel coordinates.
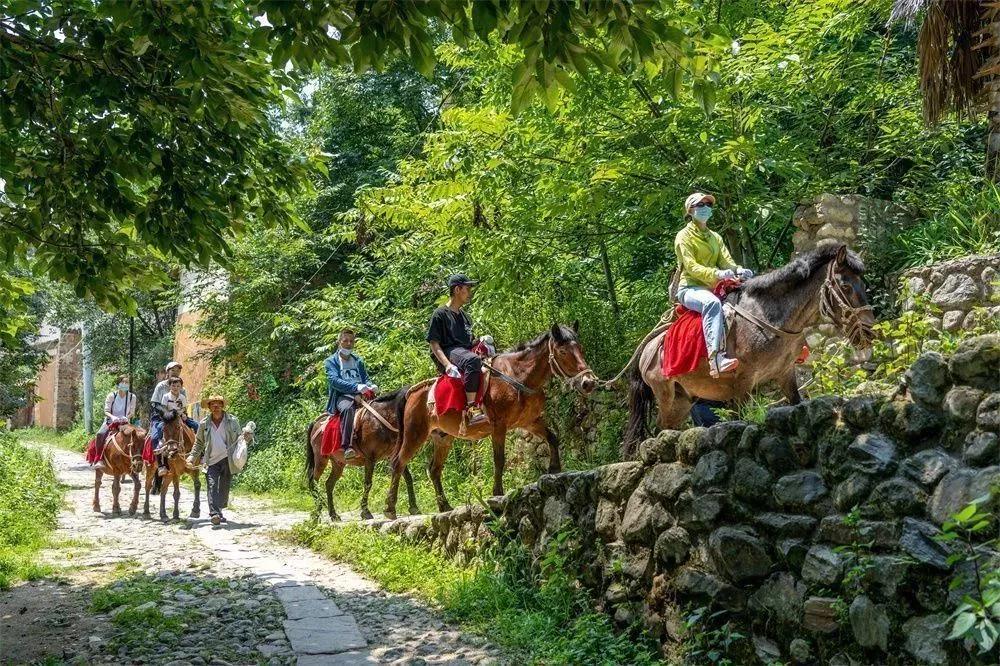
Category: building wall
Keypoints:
(69, 377)
(187, 351)
(43, 412)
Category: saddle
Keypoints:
(331, 444)
(684, 342)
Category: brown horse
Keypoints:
(515, 402)
(766, 334)
(176, 444)
(373, 442)
(122, 455)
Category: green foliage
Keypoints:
(539, 614)
(29, 503)
(972, 530)
(710, 640)
(70, 440)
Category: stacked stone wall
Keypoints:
(814, 532)
(963, 290)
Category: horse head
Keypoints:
(566, 358)
(844, 300)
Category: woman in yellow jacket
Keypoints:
(704, 261)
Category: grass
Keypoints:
(539, 618)
(70, 440)
(29, 504)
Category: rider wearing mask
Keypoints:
(704, 261)
(347, 380)
(119, 407)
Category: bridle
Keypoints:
(573, 380)
(835, 305)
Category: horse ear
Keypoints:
(556, 333)
(576, 325)
(841, 255)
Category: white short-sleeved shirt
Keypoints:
(219, 451)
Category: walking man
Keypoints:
(215, 444)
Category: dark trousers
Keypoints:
(219, 479)
(470, 365)
(346, 408)
(702, 414)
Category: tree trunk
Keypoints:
(991, 68)
(609, 278)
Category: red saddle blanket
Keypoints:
(684, 344)
(331, 436)
(148, 456)
(449, 394)
(91, 453)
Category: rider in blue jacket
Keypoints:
(347, 378)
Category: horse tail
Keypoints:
(310, 454)
(640, 400)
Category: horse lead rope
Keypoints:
(381, 419)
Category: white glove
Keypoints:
(373, 388)
(190, 461)
(744, 273)
(487, 339)
(726, 274)
(452, 371)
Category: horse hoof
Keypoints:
(366, 515)
(116, 512)
(131, 512)
(195, 514)
(445, 507)
(334, 518)
(390, 514)
(414, 511)
(96, 508)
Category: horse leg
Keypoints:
(336, 469)
(442, 445)
(411, 495)
(116, 488)
(134, 506)
(97, 491)
(540, 429)
(147, 485)
(499, 439)
(196, 508)
(790, 388)
(414, 435)
(316, 475)
(369, 472)
(177, 497)
(163, 498)
(673, 405)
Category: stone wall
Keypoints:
(956, 287)
(813, 532)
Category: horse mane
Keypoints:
(390, 397)
(568, 335)
(799, 270)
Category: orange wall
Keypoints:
(186, 349)
(45, 388)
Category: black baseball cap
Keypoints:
(461, 280)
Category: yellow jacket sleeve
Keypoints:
(725, 259)
(685, 248)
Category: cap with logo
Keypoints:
(461, 280)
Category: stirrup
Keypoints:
(350, 453)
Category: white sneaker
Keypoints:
(721, 364)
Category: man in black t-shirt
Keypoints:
(450, 337)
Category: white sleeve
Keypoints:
(130, 406)
(159, 392)
(108, 403)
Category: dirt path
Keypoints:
(220, 595)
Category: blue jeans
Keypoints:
(713, 322)
(156, 428)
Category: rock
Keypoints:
(767, 651)
(952, 320)
(912, 422)
(927, 379)
(873, 453)
(860, 412)
(672, 546)
(618, 480)
(820, 615)
(823, 566)
(695, 512)
(555, 514)
(781, 419)
(781, 598)
(662, 448)
(918, 541)
(928, 466)
(148, 606)
(881, 533)
(692, 443)
(784, 525)
(705, 587)
(959, 292)
(750, 480)
(869, 622)
(777, 454)
(958, 488)
(636, 563)
(726, 436)
(792, 552)
(799, 490)
(711, 469)
(823, 412)
(976, 362)
(925, 639)
(988, 414)
(800, 650)
(852, 491)
(738, 554)
(981, 448)
(643, 519)
(886, 574)
(666, 480)
(606, 520)
(898, 497)
(961, 403)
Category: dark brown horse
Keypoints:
(373, 442)
(177, 442)
(556, 352)
(122, 455)
(765, 333)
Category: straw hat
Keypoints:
(207, 402)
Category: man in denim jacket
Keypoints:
(347, 379)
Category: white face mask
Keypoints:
(344, 352)
(702, 214)
(123, 387)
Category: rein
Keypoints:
(562, 374)
(832, 297)
(510, 380)
(381, 419)
(763, 323)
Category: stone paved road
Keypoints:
(282, 604)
